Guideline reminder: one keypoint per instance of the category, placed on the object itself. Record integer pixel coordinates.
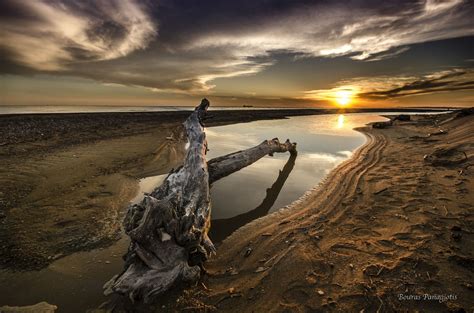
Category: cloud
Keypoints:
(390, 87)
(57, 33)
(200, 42)
(162, 71)
(387, 54)
(444, 81)
(233, 68)
(360, 31)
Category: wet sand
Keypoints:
(389, 230)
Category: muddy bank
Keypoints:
(389, 230)
(72, 199)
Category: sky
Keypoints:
(247, 52)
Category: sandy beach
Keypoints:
(389, 230)
(386, 226)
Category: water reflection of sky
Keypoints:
(324, 141)
(74, 283)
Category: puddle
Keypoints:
(146, 185)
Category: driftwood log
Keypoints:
(169, 228)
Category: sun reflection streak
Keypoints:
(340, 121)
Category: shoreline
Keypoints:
(382, 224)
(49, 131)
(244, 109)
(371, 220)
(319, 192)
(103, 155)
(65, 261)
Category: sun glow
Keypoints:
(343, 97)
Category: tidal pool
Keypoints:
(323, 141)
(74, 283)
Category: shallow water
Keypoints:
(322, 142)
(74, 283)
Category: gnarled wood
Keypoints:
(168, 229)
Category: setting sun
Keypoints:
(343, 97)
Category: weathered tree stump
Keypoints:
(168, 229)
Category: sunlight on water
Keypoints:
(74, 283)
(323, 142)
(340, 121)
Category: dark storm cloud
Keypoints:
(185, 46)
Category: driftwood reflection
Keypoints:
(222, 228)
